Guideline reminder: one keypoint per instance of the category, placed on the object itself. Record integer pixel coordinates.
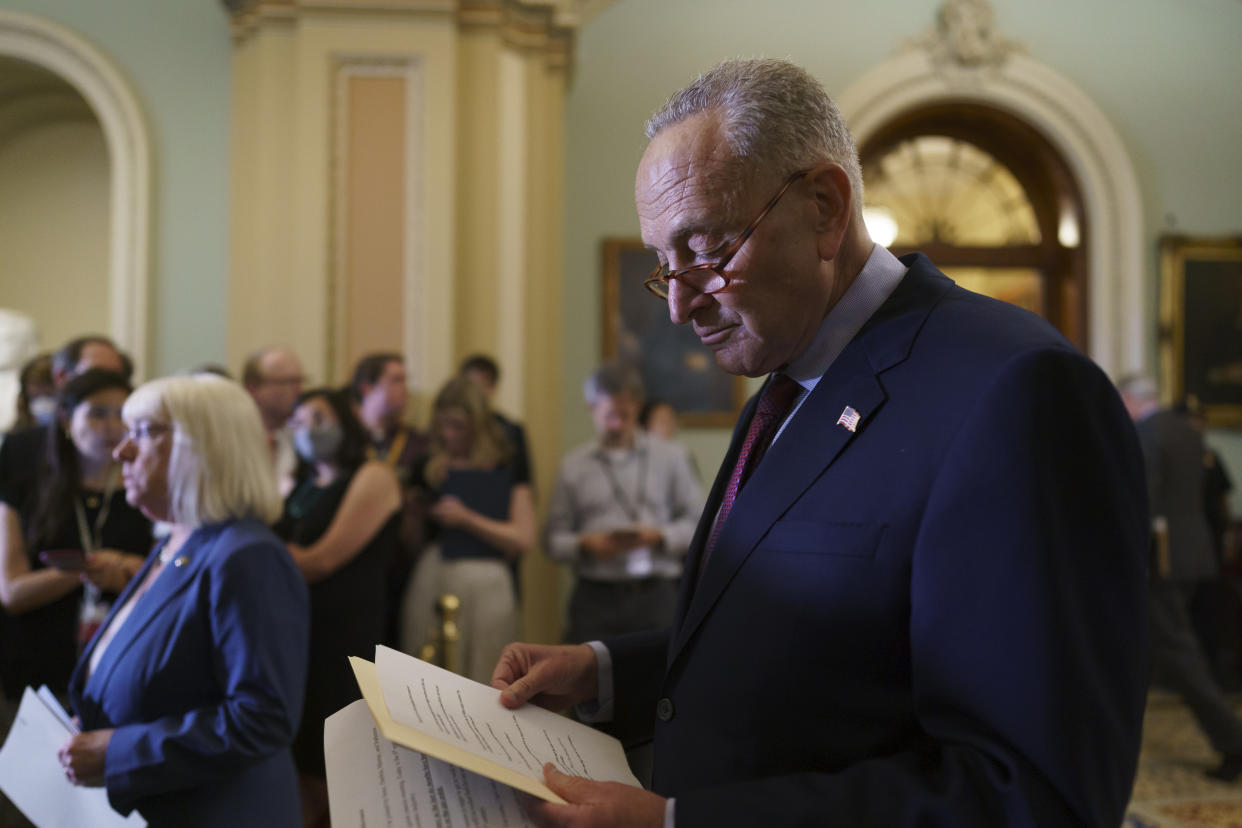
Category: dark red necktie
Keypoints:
(774, 403)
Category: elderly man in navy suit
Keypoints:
(917, 594)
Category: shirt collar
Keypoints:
(876, 281)
(640, 444)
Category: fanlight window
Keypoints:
(939, 190)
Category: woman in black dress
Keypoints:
(69, 511)
(341, 524)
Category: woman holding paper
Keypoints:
(481, 524)
(190, 693)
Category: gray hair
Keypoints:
(221, 467)
(611, 379)
(774, 114)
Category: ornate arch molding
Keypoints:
(1034, 93)
(68, 55)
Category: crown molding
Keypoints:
(546, 26)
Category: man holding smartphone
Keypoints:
(622, 514)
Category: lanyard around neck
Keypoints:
(632, 507)
(92, 537)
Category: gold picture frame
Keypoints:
(1201, 324)
(676, 367)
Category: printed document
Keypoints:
(372, 781)
(462, 722)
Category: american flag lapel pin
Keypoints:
(849, 418)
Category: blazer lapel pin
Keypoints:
(849, 418)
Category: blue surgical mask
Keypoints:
(43, 410)
(318, 445)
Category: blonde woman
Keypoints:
(481, 523)
(191, 691)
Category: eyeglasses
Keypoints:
(146, 430)
(710, 278)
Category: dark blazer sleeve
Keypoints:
(1027, 631)
(253, 629)
(637, 666)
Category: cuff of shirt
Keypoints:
(599, 710)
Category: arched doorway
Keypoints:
(990, 200)
(54, 205)
(1118, 321)
(59, 51)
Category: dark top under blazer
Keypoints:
(204, 684)
(937, 620)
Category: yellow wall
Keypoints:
(396, 182)
(54, 228)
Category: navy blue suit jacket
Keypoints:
(204, 684)
(937, 619)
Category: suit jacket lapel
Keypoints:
(168, 584)
(78, 679)
(810, 443)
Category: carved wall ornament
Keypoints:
(965, 37)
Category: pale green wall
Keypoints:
(176, 56)
(1165, 72)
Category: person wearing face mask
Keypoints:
(342, 526)
(69, 541)
(36, 399)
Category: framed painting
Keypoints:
(1201, 324)
(676, 368)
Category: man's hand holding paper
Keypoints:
(558, 678)
(555, 678)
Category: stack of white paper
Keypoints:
(31, 775)
(439, 749)
(372, 781)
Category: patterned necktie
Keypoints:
(778, 395)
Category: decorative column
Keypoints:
(397, 186)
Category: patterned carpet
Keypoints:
(1171, 790)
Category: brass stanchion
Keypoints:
(442, 648)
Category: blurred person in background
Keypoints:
(1215, 626)
(622, 515)
(1183, 560)
(36, 397)
(71, 526)
(85, 352)
(382, 396)
(190, 693)
(484, 372)
(482, 520)
(19, 453)
(658, 418)
(342, 527)
(273, 377)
